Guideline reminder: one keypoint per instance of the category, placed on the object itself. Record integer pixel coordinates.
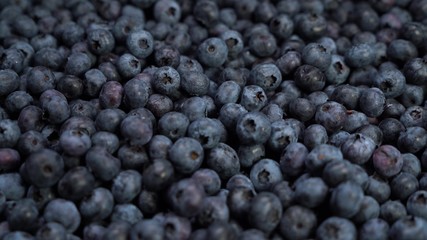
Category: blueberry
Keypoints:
(126, 186)
(387, 160)
(126, 212)
(239, 180)
(50, 231)
(315, 135)
(273, 111)
(331, 115)
(9, 81)
(411, 164)
(17, 235)
(298, 222)
(206, 12)
(413, 117)
(311, 26)
(253, 98)
(9, 133)
(336, 228)
(106, 139)
(292, 159)
(321, 155)
(228, 92)
(415, 71)
(102, 164)
(173, 125)
(158, 175)
(147, 229)
(282, 134)
(302, 109)
(360, 55)
(77, 183)
(186, 154)
(140, 43)
(347, 95)
(98, 205)
(391, 82)
(148, 202)
(265, 173)
(78, 63)
(412, 96)
(400, 51)
(205, 130)
(213, 209)
(118, 229)
(137, 130)
(23, 215)
(337, 171)
(309, 78)
(167, 56)
(194, 83)
(234, 42)
(111, 95)
(75, 142)
(375, 228)
(265, 211)
(412, 140)
(358, 148)
(100, 41)
(109, 119)
(253, 128)
(45, 167)
(128, 65)
(212, 52)
(64, 212)
(310, 192)
(186, 197)
(408, 227)
(224, 160)
(316, 55)
(209, 179)
(378, 188)
(369, 209)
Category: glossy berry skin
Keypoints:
(315, 135)
(9, 80)
(387, 160)
(413, 140)
(267, 76)
(209, 179)
(331, 115)
(64, 212)
(319, 156)
(44, 168)
(136, 130)
(77, 183)
(265, 211)
(360, 55)
(416, 205)
(310, 192)
(292, 159)
(126, 186)
(98, 205)
(391, 82)
(375, 228)
(173, 125)
(372, 102)
(126, 213)
(265, 174)
(343, 229)
(9, 134)
(75, 142)
(186, 197)
(309, 78)
(100, 41)
(408, 227)
(358, 148)
(22, 215)
(194, 83)
(186, 154)
(224, 160)
(253, 98)
(298, 222)
(253, 128)
(212, 52)
(140, 43)
(205, 130)
(102, 164)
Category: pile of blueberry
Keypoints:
(213, 119)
